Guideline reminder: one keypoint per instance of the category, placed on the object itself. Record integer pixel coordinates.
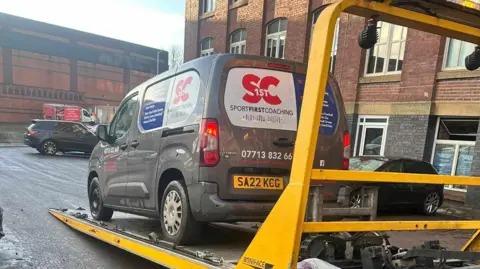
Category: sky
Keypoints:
(153, 23)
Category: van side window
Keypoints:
(123, 120)
(183, 98)
(153, 105)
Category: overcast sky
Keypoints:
(153, 23)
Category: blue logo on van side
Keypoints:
(329, 120)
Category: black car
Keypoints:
(427, 198)
(51, 136)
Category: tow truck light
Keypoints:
(279, 66)
(346, 150)
(209, 143)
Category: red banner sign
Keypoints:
(71, 114)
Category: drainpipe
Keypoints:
(158, 61)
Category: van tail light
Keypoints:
(30, 132)
(209, 143)
(346, 150)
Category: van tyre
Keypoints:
(97, 208)
(178, 224)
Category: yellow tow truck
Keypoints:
(285, 237)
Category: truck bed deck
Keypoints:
(221, 245)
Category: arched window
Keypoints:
(238, 41)
(206, 47)
(275, 41)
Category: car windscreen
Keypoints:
(272, 99)
(358, 164)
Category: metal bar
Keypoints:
(364, 226)
(363, 176)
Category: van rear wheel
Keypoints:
(178, 224)
(97, 208)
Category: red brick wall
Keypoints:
(40, 70)
(422, 59)
(216, 26)
(191, 30)
(100, 81)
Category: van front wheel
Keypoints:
(178, 224)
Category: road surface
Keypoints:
(31, 183)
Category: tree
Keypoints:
(175, 56)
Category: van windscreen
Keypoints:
(271, 99)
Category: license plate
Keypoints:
(256, 182)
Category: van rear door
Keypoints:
(259, 109)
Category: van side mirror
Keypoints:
(102, 133)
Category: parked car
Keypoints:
(427, 198)
(209, 141)
(51, 136)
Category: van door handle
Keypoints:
(134, 144)
(123, 146)
(283, 143)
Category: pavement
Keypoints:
(31, 183)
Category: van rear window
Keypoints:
(270, 99)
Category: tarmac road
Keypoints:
(31, 183)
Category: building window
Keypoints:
(206, 47)
(208, 6)
(238, 41)
(455, 53)
(454, 147)
(387, 55)
(371, 136)
(333, 54)
(276, 35)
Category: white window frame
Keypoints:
(238, 45)
(335, 39)
(209, 51)
(457, 144)
(277, 37)
(445, 56)
(208, 6)
(388, 44)
(360, 138)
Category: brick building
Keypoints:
(408, 96)
(42, 63)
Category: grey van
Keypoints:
(209, 141)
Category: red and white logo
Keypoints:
(181, 94)
(257, 89)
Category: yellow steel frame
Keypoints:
(277, 242)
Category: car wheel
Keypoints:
(355, 200)
(178, 224)
(431, 203)
(49, 148)
(97, 208)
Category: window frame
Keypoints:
(336, 33)
(129, 98)
(238, 45)
(457, 144)
(210, 50)
(388, 44)
(445, 56)
(277, 37)
(210, 4)
(360, 138)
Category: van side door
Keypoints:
(143, 157)
(116, 153)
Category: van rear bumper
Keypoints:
(208, 207)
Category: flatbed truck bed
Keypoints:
(221, 245)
